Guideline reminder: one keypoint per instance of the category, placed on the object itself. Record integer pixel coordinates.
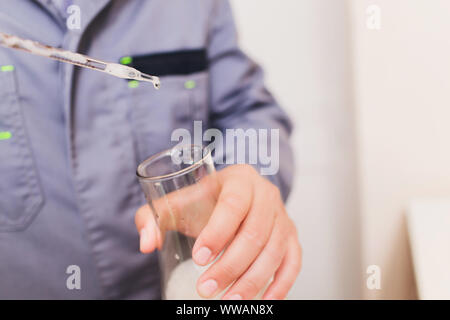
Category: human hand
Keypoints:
(249, 224)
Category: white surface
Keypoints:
(304, 48)
(429, 233)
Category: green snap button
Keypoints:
(5, 135)
(133, 84)
(7, 68)
(126, 60)
(190, 84)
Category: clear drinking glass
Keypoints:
(180, 186)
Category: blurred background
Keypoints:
(367, 85)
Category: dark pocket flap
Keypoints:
(182, 62)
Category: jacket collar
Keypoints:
(89, 10)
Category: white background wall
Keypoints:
(402, 99)
(388, 90)
(303, 45)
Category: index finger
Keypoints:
(232, 206)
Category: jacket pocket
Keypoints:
(21, 196)
(156, 114)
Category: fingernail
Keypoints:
(207, 288)
(144, 238)
(202, 256)
(233, 297)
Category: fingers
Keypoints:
(231, 208)
(188, 209)
(264, 267)
(287, 273)
(142, 216)
(150, 238)
(236, 213)
(249, 241)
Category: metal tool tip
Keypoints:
(154, 79)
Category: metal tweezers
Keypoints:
(114, 69)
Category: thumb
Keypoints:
(150, 236)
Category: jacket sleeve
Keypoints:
(239, 99)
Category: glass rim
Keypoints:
(178, 173)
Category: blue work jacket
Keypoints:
(71, 138)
